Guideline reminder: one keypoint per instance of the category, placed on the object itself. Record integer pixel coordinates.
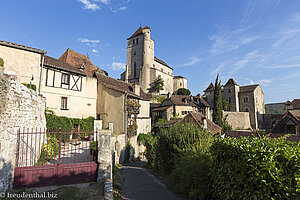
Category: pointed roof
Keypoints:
(54, 63)
(248, 88)
(78, 60)
(162, 62)
(139, 31)
(211, 87)
(231, 82)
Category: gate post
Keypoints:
(105, 161)
(59, 145)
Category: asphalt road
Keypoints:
(141, 184)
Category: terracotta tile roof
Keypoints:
(296, 103)
(120, 86)
(248, 88)
(231, 82)
(136, 33)
(211, 87)
(161, 62)
(146, 27)
(177, 77)
(52, 62)
(199, 119)
(18, 46)
(78, 60)
(290, 137)
(179, 100)
(239, 134)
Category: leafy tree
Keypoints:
(226, 105)
(183, 91)
(218, 104)
(158, 84)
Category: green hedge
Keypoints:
(199, 166)
(67, 124)
(256, 168)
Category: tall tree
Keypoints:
(158, 84)
(218, 104)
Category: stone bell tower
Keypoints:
(140, 57)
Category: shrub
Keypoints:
(30, 86)
(49, 149)
(183, 91)
(255, 168)
(1, 62)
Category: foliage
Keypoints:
(117, 182)
(226, 105)
(67, 124)
(132, 127)
(158, 84)
(225, 126)
(218, 104)
(255, 168)
(190, 176)
(163, 149)
(30, 86)
(49, 149)
(183, 91)
(159, 99)
(161, 121)
(127, 151)
(133, 103)
(1, 62)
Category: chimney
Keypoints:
(205, 122)
(137, 89)
(168, 95)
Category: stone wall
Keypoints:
(238, 120)
(19, 107)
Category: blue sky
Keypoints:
(252, 41)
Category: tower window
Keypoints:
(246, 100)
(134, 70)
(228, 91)
(229, 100)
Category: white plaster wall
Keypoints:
(24, 64)
(81, 104)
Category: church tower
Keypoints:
(140, 57)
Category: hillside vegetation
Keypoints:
(275, 108)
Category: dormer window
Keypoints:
(82, 67)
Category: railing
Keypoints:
(53, 147)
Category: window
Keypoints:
(246, 109)
(229, 100)
(162, 69)
(228, 91)
(133, 41)
(64, 103)
(184, 112)
(65, 79)
(137, 40)
(246, 100)
(180, 84)
(134, 70)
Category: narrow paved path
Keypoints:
(141, 184)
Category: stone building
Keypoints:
(248, 98)
(143, 67)
(23, 62)
(115, 97)
(179, 106)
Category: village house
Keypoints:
(127, 107)
(178, 106)
(290, 121)
(200, 120)
(23, 62)
(248, 98)
(143, 67)
(69, 91)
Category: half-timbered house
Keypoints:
(69, 91)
